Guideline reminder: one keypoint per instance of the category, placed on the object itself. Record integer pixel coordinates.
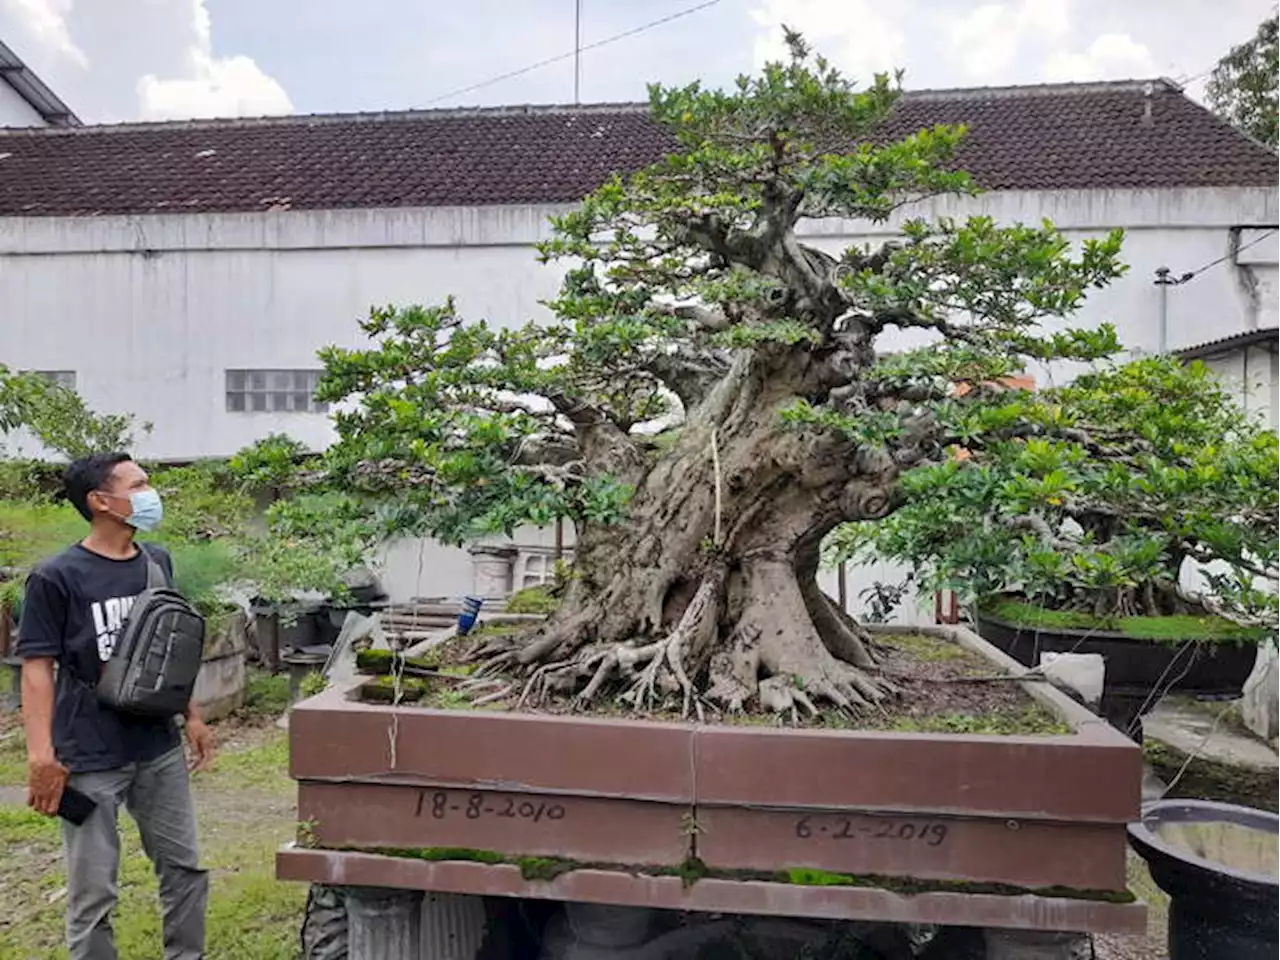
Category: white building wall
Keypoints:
(151, 311)
(16, 112)
(1253, 375)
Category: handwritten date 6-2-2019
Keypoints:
(843, 828)
(438, 804)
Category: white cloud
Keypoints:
(1048, 17)
(211, 86)
(1112, 56)
(988, 37)
(46, 22)
(855, 35)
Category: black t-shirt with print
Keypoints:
(72, 611)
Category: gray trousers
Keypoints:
(158, 796)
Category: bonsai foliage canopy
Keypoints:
(1095, 507)
(707, 402)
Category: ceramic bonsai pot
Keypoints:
(1134, 668)
(1012, 831)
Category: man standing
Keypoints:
(72, 612)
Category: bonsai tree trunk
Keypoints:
(708, 591)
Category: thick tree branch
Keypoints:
(687, 373)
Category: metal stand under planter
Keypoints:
(384, 924)
(1217, 862)
(1037, 945)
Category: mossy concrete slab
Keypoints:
(1196, 730)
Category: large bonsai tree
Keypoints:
(707, 402)
(1118, 481)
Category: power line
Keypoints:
(573, 53)
(1226, 256)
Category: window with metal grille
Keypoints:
(63, 378)
(273, 391)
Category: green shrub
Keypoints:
(532, 600)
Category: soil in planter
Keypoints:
(945, 688)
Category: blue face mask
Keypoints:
(147, 510)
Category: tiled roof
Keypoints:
(1237, 341)
(1108, 135)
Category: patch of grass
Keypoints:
(532, 600)
(1179, 628)
(448, 697)
(1171, 629)
(923, 647)
(252, 916)
(313, 683)
(1032, 720)
(495, 630)
(23, 825)
(13, 753)
(808, 877)
(458, 669)
(543, 868)
(266, 693)
(263, 767)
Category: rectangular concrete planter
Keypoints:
(222, 681)
(915, 823)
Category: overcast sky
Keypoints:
(114, 60)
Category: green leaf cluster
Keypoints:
(1094, 497)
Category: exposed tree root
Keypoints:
(782, 647)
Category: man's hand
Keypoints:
(45, 779)
(199, 745)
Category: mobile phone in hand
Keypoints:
(75, 807)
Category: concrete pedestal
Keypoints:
(1037, 945)
(383, 924)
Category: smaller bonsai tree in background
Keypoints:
(221, 541)
(1095, 505)
(58, 418)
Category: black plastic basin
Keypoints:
(1216, 861)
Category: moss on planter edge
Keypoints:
(382, 689)
(1170, 629)
(379, 662)
(692, 870)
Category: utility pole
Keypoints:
(1164, 282)
(577, 51)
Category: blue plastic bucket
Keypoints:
(470, 613)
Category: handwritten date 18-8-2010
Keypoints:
(931, 834)
(439, 804)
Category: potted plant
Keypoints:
(220, 542)
(705, 404)
(1086, 531)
